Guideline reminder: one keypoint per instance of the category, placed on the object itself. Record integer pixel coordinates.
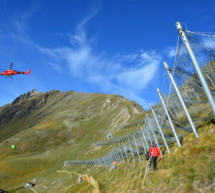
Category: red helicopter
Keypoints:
(10, 72)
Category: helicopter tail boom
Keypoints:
(28, 72)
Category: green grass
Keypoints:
(186, 169)
(68, 133)
(65, 132)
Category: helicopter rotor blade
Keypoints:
(11, 65)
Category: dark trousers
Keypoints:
(154, 162)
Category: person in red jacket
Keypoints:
(154, 153)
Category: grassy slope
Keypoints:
(61, 135)
(43, 149)
(187, 169)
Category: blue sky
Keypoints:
(105, 46)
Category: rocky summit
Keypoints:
(66, 108)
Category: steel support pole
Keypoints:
(148, 133)
(104, 161)
(156, 141)
(123, 147)
(141, 139)
(144, 138)
(113, 156)
(196, 94)
(138, 134)
(170, 120)
(210, 80)
(179, 107)
(118, 154)
(126, 141)
(131, 151)
(181, 31)
(160, 129)
(119, 147)
(138, 153)
(172, 106)
(111, 159)
(143, 144)
(181, 100)
(107, 158)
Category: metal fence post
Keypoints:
(125, 152)
(138, 154)
(170, 120)
(131, 150)
(181, 100)
(160, 129)
(144, 138)
(181, 31)
(148, 133)
(104, 161)
(156, 141)
(119, 147)
(141, 139)
(117, 155)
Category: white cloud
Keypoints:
(139, 78)
(21, 21)
(209, 42)
(55, 66)
(77, 59)
(79, 37)
(46, 51)
(170, 52)
(127, 75)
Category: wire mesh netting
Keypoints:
(168, 121)
(185, 76)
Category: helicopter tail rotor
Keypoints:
(28, 72)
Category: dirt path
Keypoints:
(89, 179)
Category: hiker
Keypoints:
(113, 165)
(154, 153)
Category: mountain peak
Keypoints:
(26, 95)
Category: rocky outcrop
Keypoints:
(24, 105)
(68, 108)
(25, 96)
